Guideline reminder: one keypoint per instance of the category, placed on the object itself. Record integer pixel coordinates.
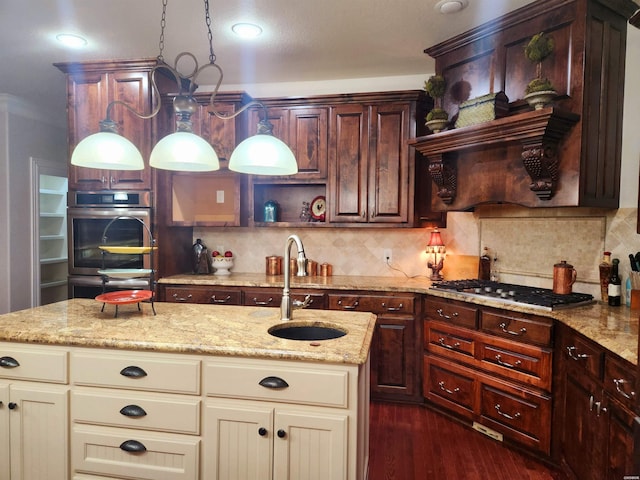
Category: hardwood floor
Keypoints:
(410, 442)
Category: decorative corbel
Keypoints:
(444, 174)
(541, 162)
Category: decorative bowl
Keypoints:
(222, 265)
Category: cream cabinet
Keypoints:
(273, 420)
(33, 413)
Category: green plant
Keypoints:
(436, 86)
(437, 114)
(536, 50)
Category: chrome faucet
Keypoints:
(287, 305)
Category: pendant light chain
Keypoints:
(163, 24)
(207, 18)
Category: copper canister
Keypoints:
(312, 268)
(293, 266)
(274, 265)
(326, 270)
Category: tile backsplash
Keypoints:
(526, 242)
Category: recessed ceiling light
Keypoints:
(246, 30)
(70, 40)
(451, 6)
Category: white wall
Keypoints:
(24, 134)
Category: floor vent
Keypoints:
(487, 431)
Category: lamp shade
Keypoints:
(435, 240)
(184, 151)
(108, 151)
(263, 154)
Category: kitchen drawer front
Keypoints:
(451, 342)
(166, 456)
(620, 380)
(450, 386)
(517, 327)
(581, 354)
(521, 415)
(379, 304)
(200, 294)
(136, 371)
(455, 313)
(262, 298)
(40, 364)
(523, 363)
(161, 412)
(309, 385)
(317, 301)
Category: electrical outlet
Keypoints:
(386, 255)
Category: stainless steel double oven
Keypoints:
(88, 214)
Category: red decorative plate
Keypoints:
(124, 297)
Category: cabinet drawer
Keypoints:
(582, 354)
(518, 327)
(620, 380)
(449, 341)
(164, 456)
(523, 416)
(196, 294)
(163, 412)
(262, 298)
(136, 371)
(524, 363)
(452, 312)
(41, 364)
(449, 385)
(309, 385)
(378, 304)
(317, 301)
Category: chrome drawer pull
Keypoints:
(273, 382)
(9, 362)
(133, 372)
(182, 299)
(619, 382)
(220, 300)
(506, 415)
(266, 302)
(516, 364)
(445, 345)
(600, 409)
(349, 307)
(571, 351)
(504, 328)
(444, 315)
(133, 411)
(393, 309)
(591, 402)
(450, 392)
(133, 446)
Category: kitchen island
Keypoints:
(160, 396)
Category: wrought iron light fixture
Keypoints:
(261, 154)
(437, 248)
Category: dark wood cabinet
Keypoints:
(594, 409)
(575, 159)
(492, 368)
(91, 87)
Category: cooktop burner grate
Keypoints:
(534, 297)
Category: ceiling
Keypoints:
(302, 40)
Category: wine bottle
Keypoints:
(615, 284)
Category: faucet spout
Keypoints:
(285, 306)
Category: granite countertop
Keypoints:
(189, 328)
(614, 328)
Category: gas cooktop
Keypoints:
(532, 297)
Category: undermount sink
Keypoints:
(315, 331)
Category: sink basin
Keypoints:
(315, 331)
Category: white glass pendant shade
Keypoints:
(184, 151)
(263, 154)
(107, 151)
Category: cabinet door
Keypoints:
(348, 154)
(38, 430)
(308, 141)
(620, 441)
(221, 134)
(310, 446)
(393, 356)
(5, 439)
(582, 429)
(389, 175)
(238, 442)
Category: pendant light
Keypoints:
(262, 154)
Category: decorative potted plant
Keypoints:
(437, 119)
(539, 91)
